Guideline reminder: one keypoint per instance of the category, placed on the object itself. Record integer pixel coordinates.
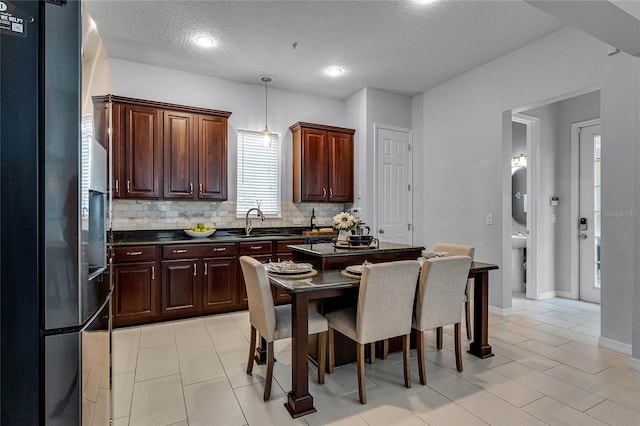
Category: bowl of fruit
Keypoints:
(200, 231)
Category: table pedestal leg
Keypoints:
(299, 401)
(480, 346)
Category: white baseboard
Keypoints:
(634, 364)
(615, 345)
(565, 294)
(548, 295)
(503, 312)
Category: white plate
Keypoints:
(199, 234)
(355, 269)
(289, 268)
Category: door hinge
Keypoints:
(408, 187)
(409, 147)
(408, 227)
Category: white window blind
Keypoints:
(258, 173)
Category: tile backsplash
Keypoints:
(142, 214)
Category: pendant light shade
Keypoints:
(266, 133)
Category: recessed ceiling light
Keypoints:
(425, 1)
(334, 71)
(205, 41)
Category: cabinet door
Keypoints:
(212, 158)
(340, 167)
(135, 295)
(314, 184)
(219, 284)
(143, 153)
(117, 150)
(180, 286)
(180, 143)
(101, 123)
(262, 258)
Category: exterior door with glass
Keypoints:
(589, 221)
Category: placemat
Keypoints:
(309, 274)
(350, 275)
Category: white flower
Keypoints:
(344, 221)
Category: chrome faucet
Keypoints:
(247, 221)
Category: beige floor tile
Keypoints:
(556, 413)
(624, 376)
(603, 355)
(125, 358)
(524, 357)
(560, 308)
(198, 365)
(533, 334)
(568, 334)
(550, 386)
(597, 385)
(344, 380)
(562, 356)
(382, 409)
(212, 402)
(264, 413)
(331, 409)
(507, 336)
(219, 321)
(158, 402)
(533, 308)
(228, 339)
(614, 414)
(192, 337)
(126, 336)
(589, 331)
(185, 423)
(122, 394)
(188, 323)
(454, 387)
(435, 409)
(524, 321)
(157, 335)
(122, 421)
(235, 367)
(157, 362)
(497, 412)
(542, 317)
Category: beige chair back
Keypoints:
(455, 249)
(441, 291)
(385, 300)
(261, 312)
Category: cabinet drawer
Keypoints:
(198, 250)
(281, 246)
(134, 254)
(256, 247)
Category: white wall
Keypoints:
(245, 101)
(463, 154)
(356, 113)
(96, 78)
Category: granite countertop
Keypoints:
(329, 250)
(177, 236)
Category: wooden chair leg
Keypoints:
(252, 350)
(467, 316)
(420, 350)
(439, 338)
(361, 389)
(458, 346)
(385, 349)
(372, 353)
(269, 378)
(406, 347)
(322, 356)
(330, 350)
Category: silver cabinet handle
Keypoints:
(324, 192)
(180, 251)
(134, 253)
(128, 185)
(256, 247)
(381, 231)
(206, 267)
(190, 188)
(219, 249)
(330, 192)
(195, 269)
(201, 189)
(153, 272)
(117, 185)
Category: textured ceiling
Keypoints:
(399, 46)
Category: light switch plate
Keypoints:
(488, 219)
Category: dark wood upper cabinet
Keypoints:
(164, 151)
(323, 159)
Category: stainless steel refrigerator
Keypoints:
(55, 293)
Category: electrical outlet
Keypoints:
(297, 222)
(488, 219)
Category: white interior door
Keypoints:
(393, 185)
(590, 214)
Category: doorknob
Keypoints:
(583, 236)
(381, 231)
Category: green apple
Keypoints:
(201, 226)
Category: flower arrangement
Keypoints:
(345, 222)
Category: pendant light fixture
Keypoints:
(266, 133)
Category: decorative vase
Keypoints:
(343, 235)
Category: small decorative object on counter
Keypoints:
(313, 219)
(344, 223)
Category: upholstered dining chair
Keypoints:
(459, 250)
(384, 310)
(274, 322)
(438, 301)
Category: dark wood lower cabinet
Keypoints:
(180, 286)
(135, 297)
(219, 284)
